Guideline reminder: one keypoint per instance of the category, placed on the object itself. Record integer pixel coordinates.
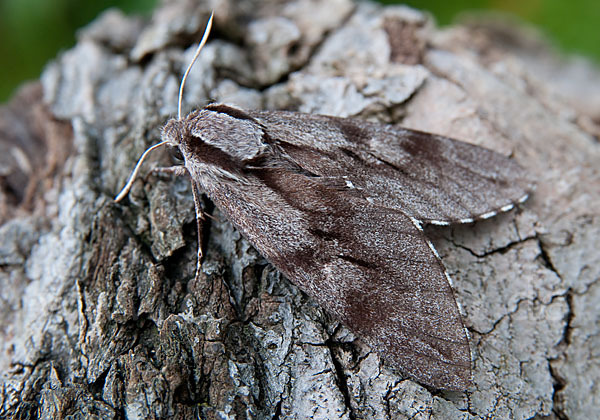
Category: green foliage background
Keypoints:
(33, 31)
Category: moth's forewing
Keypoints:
(367, 265)
(431, 178)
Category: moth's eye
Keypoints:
(175, 154)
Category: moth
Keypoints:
(337, 205)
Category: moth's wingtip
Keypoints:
(461, 383)
(457, 383)
(450, 375)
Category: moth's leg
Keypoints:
(178, 170)
(199, 222)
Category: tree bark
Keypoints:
(102, 316)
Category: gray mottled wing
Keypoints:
(431, 178)
(368, 265)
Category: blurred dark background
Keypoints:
(33, 31)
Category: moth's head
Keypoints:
(217, 141)
(174, 132)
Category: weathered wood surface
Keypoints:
(101, 315)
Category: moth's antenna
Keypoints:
(202, 42)
(127, 186)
